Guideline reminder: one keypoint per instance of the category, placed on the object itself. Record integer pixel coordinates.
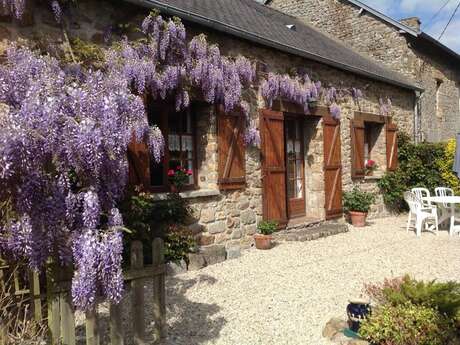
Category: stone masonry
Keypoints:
(435, 71)
(228, 219)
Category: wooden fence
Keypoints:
(60, 315)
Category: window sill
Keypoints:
(373, 178)
(191, 194)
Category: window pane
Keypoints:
(291, 188)
(187, 143)
(174, 142)
(156, 174)
(291, 169)
(299, 188)
(174, 122)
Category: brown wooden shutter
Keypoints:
(139, 164)
(230, 145)
(357, 149)
(273, 166)
(332, 168)
(392, 146)
(139, 159)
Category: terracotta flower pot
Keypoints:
(358, 219)
(173, 189)
(263, 242)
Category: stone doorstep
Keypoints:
(215, 253)
(311, 233)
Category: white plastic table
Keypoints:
(449, 212)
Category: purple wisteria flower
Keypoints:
(335, 111)
(56, 10)
(252, 137)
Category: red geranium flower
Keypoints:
(171, 172)
(189, 172)
(370, 163)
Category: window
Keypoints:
(438, 99)
(458, 96)
(373, 138)
(294, 157)
(179, 132)
(371, 134)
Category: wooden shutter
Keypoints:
(230, 145)
(139, 164)
(273, 166)
(332, 168)
(392, 146)
(357, 149)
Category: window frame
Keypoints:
(369, 121)
(161, 112)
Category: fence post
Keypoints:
(159, 300)
(2, 333)
(116, 326)
(67, 313)
(92, 330)
(137, 262)
(52, 298)
(2, 324)
(35, 296)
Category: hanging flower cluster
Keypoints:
(303, 91)
(167, 66)
(385, 106)
(63, 165)
(298, 90)
(17, 8)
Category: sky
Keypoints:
(425, 10)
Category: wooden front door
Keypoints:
(295, 163)
(332, 168)
(273, 166)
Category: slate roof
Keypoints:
(261, 24)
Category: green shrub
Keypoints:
(357, 200)
(147, 218)
(407, 324)
(444, 297)
(418, 167)
(267, 227)
(179, 243)
(445, 166)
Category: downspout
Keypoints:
(418, 132)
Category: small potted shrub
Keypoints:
(263, 238)
(358, 203)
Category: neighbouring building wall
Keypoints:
(384, 43)
(230, 217)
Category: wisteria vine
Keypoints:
(65, 130)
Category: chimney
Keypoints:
(412, 22)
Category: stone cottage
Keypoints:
(401, 46)
(304, 162)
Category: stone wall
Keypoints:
(383, 42)
(230, 217)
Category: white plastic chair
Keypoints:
(420, 214)
(444, 191)
(422, 193)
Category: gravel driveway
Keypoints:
(287, 294)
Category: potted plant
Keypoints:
(263, 238)
(370, 165)
(358, 203)
(178, 178)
